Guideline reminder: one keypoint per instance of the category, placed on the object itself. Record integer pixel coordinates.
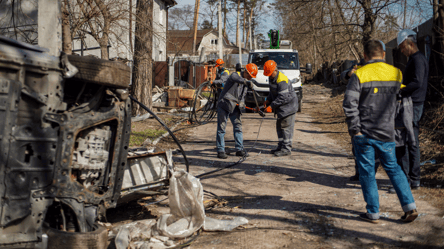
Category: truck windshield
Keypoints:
(284, 60)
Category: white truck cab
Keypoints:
(287, 62)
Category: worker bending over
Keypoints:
(230, 104)
(370, 107)
(284, 102)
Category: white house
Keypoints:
(120, 45)
(121, 39)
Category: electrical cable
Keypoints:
(240, 160)
(166, 127)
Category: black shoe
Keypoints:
(242, 153)
(275, 150)
(392, 190)
(354, 178)
(414, 186)
(410, 216)
(366, 218)
(282, 153)
(222, 155)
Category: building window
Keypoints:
(214, 41)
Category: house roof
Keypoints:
(182, 40)
(170, 3)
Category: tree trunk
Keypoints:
(196, 19)
(104, 47)
(244, 32)
(225, 18)
(66, 29)
(368, 28)
(237, 24)
(143, 64)
(440, 29)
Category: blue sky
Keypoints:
(265, 26)
(414, 17)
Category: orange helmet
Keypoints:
(219, 62)
(251, 69)
(269, 67)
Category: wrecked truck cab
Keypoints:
(64, 141)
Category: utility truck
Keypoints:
(287, 60)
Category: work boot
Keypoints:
(222, 155)
(368, 219)
(282, 153)
(392, 190)
(275, 150)
(242, 153)
(354, 178)
(410, 216)
(415, 185)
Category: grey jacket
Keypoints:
(282, 98)
(233, 93)
(404, 122)
(370, 100)
(222, 77)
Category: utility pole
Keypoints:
(196, 18)
(238, 40)
(405, 13)
(50, 26)
(250, 30)
(220, 40)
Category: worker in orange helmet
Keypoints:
(230, 105)
(284, 102)
(221, 75)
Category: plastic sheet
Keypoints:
(187, 216)
(187, 213)
(213, 225)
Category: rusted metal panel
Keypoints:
(64, 142)
(147, 168)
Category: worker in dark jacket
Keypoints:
(415, 79)
(370, 107)
(284, 102)
(230, 103)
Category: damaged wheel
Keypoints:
(97, 239)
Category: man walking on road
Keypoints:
(370, 106)
(415, 79)
(230, 103)
(284, 102)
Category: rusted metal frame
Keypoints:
(70, 125)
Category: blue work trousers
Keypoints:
(365, 149)
(222, 118)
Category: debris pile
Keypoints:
(186, 217)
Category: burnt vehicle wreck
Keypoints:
(64, 142)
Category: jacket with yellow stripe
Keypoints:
(222, 77)
(282, 97)
(370, 100)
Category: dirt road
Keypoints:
(301, 201)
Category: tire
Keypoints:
(103, 72)
(300, 105)
(97, 239)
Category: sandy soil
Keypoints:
(301, 201)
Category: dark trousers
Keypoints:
(285, 131)
(410, 161)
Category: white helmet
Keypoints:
(404, 34)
